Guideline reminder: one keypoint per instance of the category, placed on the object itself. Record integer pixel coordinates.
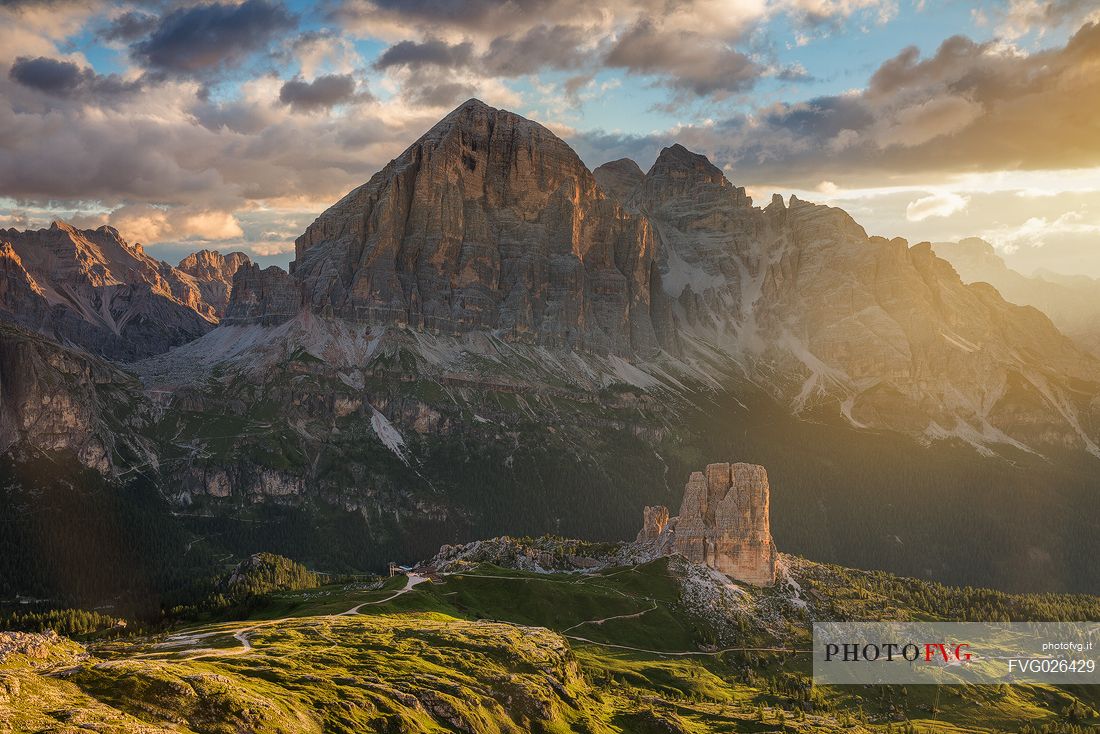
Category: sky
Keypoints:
(231, 125)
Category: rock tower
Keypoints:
(723, 523)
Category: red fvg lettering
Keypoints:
(956, 653)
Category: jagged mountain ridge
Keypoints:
(1072, 302)
(491, 224)
(821, 313)
(95, 290)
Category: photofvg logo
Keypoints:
(960, 653)
(927, 652)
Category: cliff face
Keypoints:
(723, 523)
(93, 289)
(488, 222)
(57, 399)
(213, 273)
(262, 295)
(618, 178)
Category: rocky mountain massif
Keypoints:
(723, 523)
(94, 290)
(1071, 302)
(488, 338)
(490, 224)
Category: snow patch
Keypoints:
(957, 341)
(388, 435)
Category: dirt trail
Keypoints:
(412, 581)
(241, 634)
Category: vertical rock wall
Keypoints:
(723, 523)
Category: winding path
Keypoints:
(635, 615)
(241, 634)
(412, 581)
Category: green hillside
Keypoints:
(491, 649)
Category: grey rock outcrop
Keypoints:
(723, 523)
(263, 295)
(58, 399)
(619, 178)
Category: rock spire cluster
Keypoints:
(723, 523)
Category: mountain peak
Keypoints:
(63, 226)
(977, 244)
(473, 113)
(619, 178)
(473, 103)
(454, 236)
(679, 159)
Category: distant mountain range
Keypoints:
(93, 289)
(489, 338)
(1071, 301)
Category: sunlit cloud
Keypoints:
(935, 205)
(1037, 231)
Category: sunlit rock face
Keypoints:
(213, 272)
(490, 224)
(655, 519)
(93, 289)
(487, 222)
(723, 523)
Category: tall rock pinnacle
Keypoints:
(723, 523)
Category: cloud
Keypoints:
(686, 59)
(129, 26)
(151, 224)
(688, 46)
(322, 93)
(48, 75)
(15, 220)
(936, 205)
(1037, 231)
(831, 12)
(1018, 18)
(967, 108)
(270, 249)
(200, 40)
(325, 50)
(927, 120)
(432, 52)
(541, 47)
(67, 79)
